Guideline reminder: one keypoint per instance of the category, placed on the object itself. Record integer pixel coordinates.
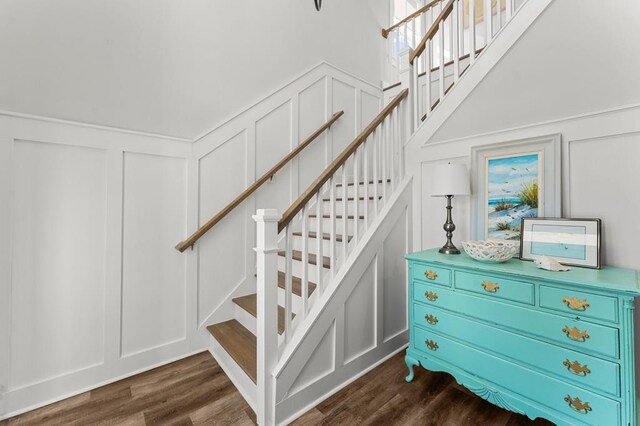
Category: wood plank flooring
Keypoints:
(195, 391)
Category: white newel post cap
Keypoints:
(267, 230)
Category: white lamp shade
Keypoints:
(450, 179)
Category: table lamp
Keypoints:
(449, 180)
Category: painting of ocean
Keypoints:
(513, 192)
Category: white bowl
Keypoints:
(490, 251)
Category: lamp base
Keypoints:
(449, 249)
(449, 227)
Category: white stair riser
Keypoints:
(297, 268)
(351, 190)
(250, 322)
(326, 225)
(351, 207)
(296, 301)
(312, 244)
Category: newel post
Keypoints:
(267, 321)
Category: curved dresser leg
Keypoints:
(411, 362)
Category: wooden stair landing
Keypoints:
(250, 304)
(239, 343)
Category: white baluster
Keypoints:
(376, 170)
(508, 10)
(472, 31)
(288, 283)
(305, 263)
(455, 44)
(356, 195)
(488, 18)
(345, 213)
(403, 136)
(384, 135)
(415, 92)
(319, 240)
(392, 143)
(441, 69)
(413, 30)
(267, 307)
(365, 179)
(427, 108)
(332, 224)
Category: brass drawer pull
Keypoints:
(431, 345)
(577, 405)
(431, 275)
(576, 304)
(575, 334)
(433, 320)
(576, 368)
(430, 295)
(490, 287)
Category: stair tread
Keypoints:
(328, 216)
(296, 284)
(325, 236)
(250, 304)
(297, 255)
(352, 198)
(339, 185)
(239, 343)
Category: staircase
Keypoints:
(238, 336)
(305, 255)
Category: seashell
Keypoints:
(550, 264)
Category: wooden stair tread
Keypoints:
(297, 255)
(352, 198)
(339, 185)
(239, 343)
(250, 304)
(328, 216)
(325, 236)
(296, 284)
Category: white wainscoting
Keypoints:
(358, 324)
(91, 287)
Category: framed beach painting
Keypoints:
(511, 181)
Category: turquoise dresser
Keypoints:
(556, 345)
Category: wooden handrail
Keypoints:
(423, 9)
(338, 162)
(444, 14)
(182, 246)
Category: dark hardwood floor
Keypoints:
(195, 391)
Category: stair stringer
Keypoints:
(301, 384)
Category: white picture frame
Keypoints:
(548, 150)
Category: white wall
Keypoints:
(599, 153)
(174, 68)
(91, 286)
(576, 58)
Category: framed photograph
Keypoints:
(573, 242)
(511, 181)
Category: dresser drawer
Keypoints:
(574, 333)
(580, 369)
(579, 303)
(495, 287)
(431, 274)
(537, 386)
